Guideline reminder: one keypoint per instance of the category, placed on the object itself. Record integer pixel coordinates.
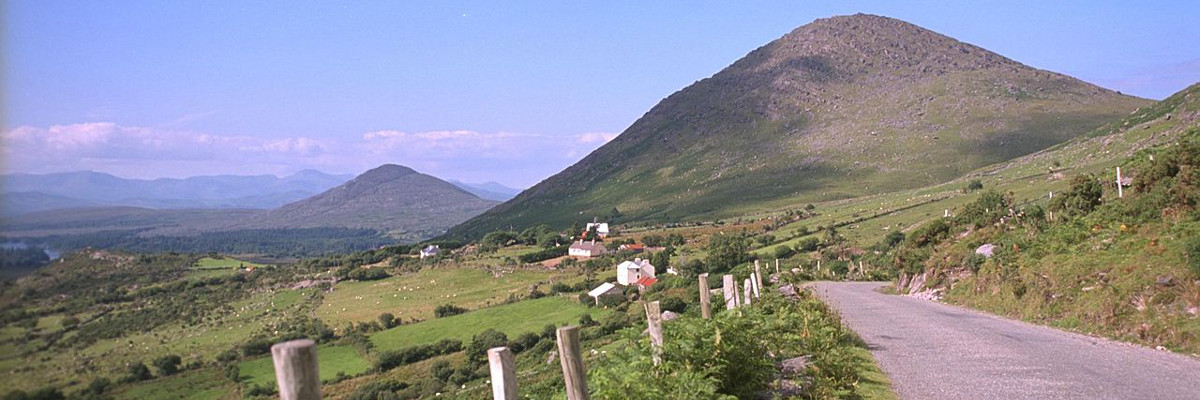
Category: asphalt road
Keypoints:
(936, 351)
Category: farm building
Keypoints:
(429, 251)
(601, 228)
(586, 249)
(605, 289)
(633, 247)
(632, 272)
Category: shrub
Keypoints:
(973, 186)
(524, 342)
(137, 372)
(930, 233)
(784, 251)
(673, 304)
(893, 238)
(726, 252)
(480, 343)
(408, 355)
(388, 321)
(441, 370)
(808, 244)
(586, 320)
(1083, 196)
(974, 261)
(446, 310)
(985, 210)
(167, 365)
(367, 274)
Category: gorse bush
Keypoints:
(733, 355)
(985, 210)
(1083, 196)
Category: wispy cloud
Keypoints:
(513, 158)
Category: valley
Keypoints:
(862, 168)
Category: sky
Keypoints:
(476, 91)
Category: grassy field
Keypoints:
(415, 295)
(205, 384)
(331, 361)
(512, 319)
(208, 266)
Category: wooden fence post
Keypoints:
(654, 326)
(730, 291)
(504, 373)
(757, 280)
(748, 283)
(296, 370)
(705, 303)
(777, 266)
(570, 356)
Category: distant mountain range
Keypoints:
(839, 108)
(29, 193)
(488, 190)
(394, 200)
(26, 193)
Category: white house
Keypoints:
(605, 289)
(630, 272)
(586, 249)
(429, 251)
(601, 228)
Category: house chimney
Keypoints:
(593, 242)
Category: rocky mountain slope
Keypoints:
(838, 108)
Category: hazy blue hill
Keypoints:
(839, 108)
(391, 198)
(488, 190)
(17, 203)
(86, 188)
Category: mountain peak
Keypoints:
(385, 173)
(841, 107)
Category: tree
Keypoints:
(477, 349)
(167, 365)
(446, 310)
(726, 252)
(1083, 196)
(973, 186)
(388, 320)
(233, 373)
(662, 260)
(497, 239)
(138, 372)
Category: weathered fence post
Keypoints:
(1120, 191)
(705, 303)
(654, 326)
(757, 280)
(570, 356)
(730, 291)
(747, 288)
(777, 266)
(296, 370)
(504, 373)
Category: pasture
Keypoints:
(415, 295)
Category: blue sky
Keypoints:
(477, 91)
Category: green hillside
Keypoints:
(840, 108)
(1125, 266)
